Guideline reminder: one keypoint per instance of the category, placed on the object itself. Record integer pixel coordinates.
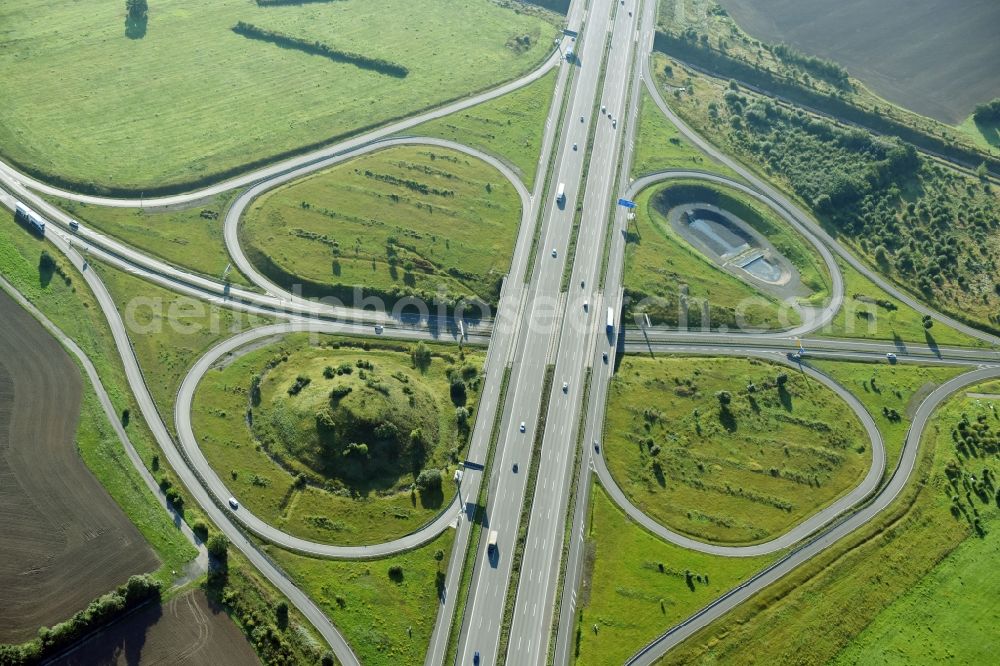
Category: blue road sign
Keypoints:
(626, 203)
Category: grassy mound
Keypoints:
(729, 450)
(355, 422)
(409, 220)
(362, 456)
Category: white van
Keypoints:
(561, 194)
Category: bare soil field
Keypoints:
(65, 541)
(935, 57)
(188, 629)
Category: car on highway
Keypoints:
(890, 357)
(233, 504)
(565, 387)
(582, 282)
(574, 146)
(515, 468)
(614, 123)
(585, 306)
(554, 253)
(74, 226)
(597, 447)
(605, 356)
(475, 658)
(604, 109)
(378, 329)
(581, 119)
(522, 426)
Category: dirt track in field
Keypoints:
(188, 629)
(63, 540)
(936, 57)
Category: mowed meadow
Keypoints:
(186, 100)
(730, 450)
(415, 220)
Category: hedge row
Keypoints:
(251, 31)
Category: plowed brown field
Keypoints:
(63, 540)
(936, 57)
(188, 629)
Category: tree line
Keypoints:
(251, 31)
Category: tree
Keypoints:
(461, 416)
(281, 614)
(421, 356)
(725, 397)
(429, 479)
(459, 395)
(137, 10)
(218, 546)
(781, 379)
(928, 322)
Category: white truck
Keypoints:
(611, 319)
(491, 545)
(561, 194)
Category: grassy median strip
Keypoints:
(570, 512)
(473, 547)
(522, 530)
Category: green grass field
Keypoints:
(88, 106)
(862, 316)
(912, 562)
(659, 145)
(345, 496)
(738, 474)
(985, 135)
(880, 387)
(636, 586)
(189, 238)
(169, 332)
(74, 310)
(509, 127)
(386, 618)
(660, 265)
(405, 220)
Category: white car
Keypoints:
(554, 253)
(379, 328)
(522, 426)
(565, 387)
(233, 504)
(585, 304)
(614, 123)
(604, 109)
(890, 357)
(574, 146)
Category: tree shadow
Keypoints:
(658, 472)
(785, 398)
(439, 583)
(753, 404)
(135, 28)
(121, 642)
(431, 498)
(335, 267)
(932, 343)
(727, 419)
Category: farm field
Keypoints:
(408, 220)
(73, 118)
(386, 614)
(835, 607)
(735, 473)
(189, 238)
(66, 540)
(636, 586)
(923, 225)
(660, 266)
(189, 628)
(940, 75)
(335, 458)
(509, 127)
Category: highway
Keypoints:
(538, 325)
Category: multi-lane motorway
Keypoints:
(547, 324)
